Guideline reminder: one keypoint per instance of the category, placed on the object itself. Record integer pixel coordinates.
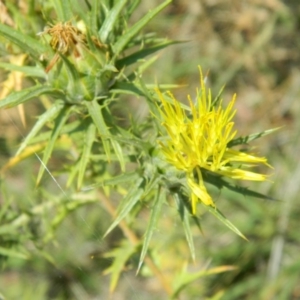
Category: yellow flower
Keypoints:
(198, 140)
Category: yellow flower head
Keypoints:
(199, 140)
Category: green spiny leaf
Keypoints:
(26, 43)
(119, 152)
(152, 185)
(143, 66)
(94, 17)
(110, 20)
(74, 85)
(58, 125)
(184, 216)
(127, 88)
(224, 220)
(218, 98)
(48, 257)
(16, 98)
(42, 120)
(29, 71)
(136, 56)
(149, 96)
(120, 256)
(78, 9)
(85, 155)
(117, 180)
(13, 253)
(132, 197)
(95, 112)
(185, 278)
(63, 10)
(132, 7)
(156, 209)
(70, 128)
(220, 183)
(246, 139)
(72, 173)
(122, 42)
(4, 208)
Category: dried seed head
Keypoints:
(65, 37)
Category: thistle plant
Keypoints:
(80, 66)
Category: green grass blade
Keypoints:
(96, 114)
(110, 20)
(42, 120)
(156, 209)
(184, 216)
(132, 197)
(26, 43)
(85, 155)
(122, 42)
(225, 221)
(16, 98)
(58, 125)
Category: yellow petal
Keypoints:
(200, 191)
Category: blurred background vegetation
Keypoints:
(253, 47)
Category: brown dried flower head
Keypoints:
(64, 39)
